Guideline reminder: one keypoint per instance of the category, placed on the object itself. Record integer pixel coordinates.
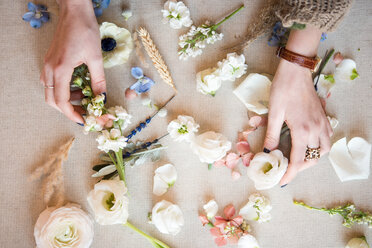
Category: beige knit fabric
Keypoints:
(324, 14)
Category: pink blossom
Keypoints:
(204, 220)
(232, 160)
(235, 175)
(243, 147)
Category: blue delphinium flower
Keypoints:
(143, 83)
(279, 36)
(99, 6)
(36, 15)
(324, 37)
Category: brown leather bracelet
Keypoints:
(307, 62)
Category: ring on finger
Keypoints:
(312, 153)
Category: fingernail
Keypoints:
(104, 101)
(284, 185)
(80, 124)
(265, 150)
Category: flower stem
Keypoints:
(155, 242)
(227, 17)
(119, 164)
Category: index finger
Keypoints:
(62, 77)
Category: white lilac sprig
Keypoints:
(37, 15)
(349, 213)
(192, 43)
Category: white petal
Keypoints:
(160, 187)
(248, 241)
(344, 70)
(211, 208)
(357, 243)
(248, 212)
(167, 173)
(254, 92)
(324, 86)
(333, 122)
(351, 161)
(105, 171)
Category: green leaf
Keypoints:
(354, 74)
(99, 166)
(105, 171)
(329, 78)
(298, 26)
(210, 166)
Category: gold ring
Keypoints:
(48, 86)
(312, 153)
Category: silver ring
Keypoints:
(48, 86)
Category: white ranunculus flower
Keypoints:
(108, 202)
(183, 128)
(111, 141)
(257, 208)
(208, 82)
(121, 115)
(357, 243)
(254, 92)
(351, 161)
(120, 49)
(232, 67)
(211, 209)
(266, 169)
(68, 226)
(210, 146)
(325, 84)
(177, 14)
(165, 176)
(346, 71)
(248, 241)
(167, 217)
(91, 125)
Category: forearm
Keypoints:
(305, 41)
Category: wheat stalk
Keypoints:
(52, 171)
(156, 57)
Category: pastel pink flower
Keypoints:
(235, 175)
(204, 220)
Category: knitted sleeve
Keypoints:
(324, 14)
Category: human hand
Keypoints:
(76, 41)
(293, 100)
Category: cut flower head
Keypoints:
(167, 217)
(183, 128)
(177, 14)
(164, 178)
(257, 208)
(266, 169)
(346, 71)
(37, 15)
(116, 43)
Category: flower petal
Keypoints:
(255, 121)
(235, 175)
(44, 17)
(248, 241)
(105, 3)
(229, 211)
(243, 147)
(254, 92)
(211, 209)
(137, 72)
(219, 163)
(31, 6)
(344, 71)
(351, 161)
(232, 160)
(28, 16)
(105, 171)
(221, 241)
(247, 159)
(204, 220)
(98, 11)
(215, 231)
(35, 23)
(167, 173)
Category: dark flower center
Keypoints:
(108, 44)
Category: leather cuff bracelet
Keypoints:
(307, 62)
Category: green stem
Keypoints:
(119, 164)
(155, 242)
(214, 27)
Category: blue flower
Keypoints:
(99, 6)
(324, 37)
(36, 15)
(279, 35)
(143, 83)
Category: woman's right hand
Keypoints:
(76, 41)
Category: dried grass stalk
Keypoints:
(139, 52)
(53, 184)
(262, 24)
(156, 58)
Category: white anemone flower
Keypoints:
(351, 161)
(254, 92)
(257, 208)
(357, 243)
(248, 241)
(266, 169)
(208, 81)
(211, 209)
(177, 14)
(167, 217)
(164, 178)
(65, 227)
(183, 128)
(232, 67)
(117, 44)
(109, 202)
(346, 71)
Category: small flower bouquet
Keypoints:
(108, 198)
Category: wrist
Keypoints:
(304, 42)
(69, 5)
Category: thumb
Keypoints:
(274, 127)
(97, 75)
